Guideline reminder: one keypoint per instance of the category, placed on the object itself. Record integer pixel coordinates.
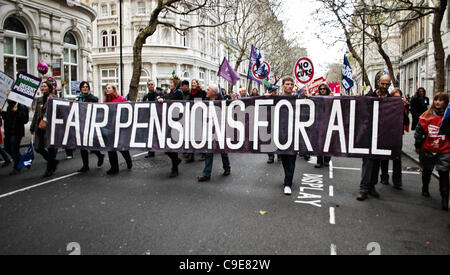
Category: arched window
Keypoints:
(113, 38)
(145, 77)
(15, 47)
(70, 59)
(104, 39)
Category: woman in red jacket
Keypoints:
(111, 96)
(434, 149)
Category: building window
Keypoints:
(141, 7)
(201, 76)
(167, 36)
(142, 90)
(113, 38)
(70, 58)
(109, 76)
(15, 47)
(104, 39)
(104, 11)
(113, 9)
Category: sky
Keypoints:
(300, 23)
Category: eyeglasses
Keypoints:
(322, 89)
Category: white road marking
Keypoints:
(37, 185)
(141, 154)
(331, 170)
(332, 216)
(333, 250)
(390, 171)
(331, 191)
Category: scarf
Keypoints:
(82, 96)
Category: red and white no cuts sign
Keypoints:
(304, 70)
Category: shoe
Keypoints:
(307, 158)
(100, 160)
(48, 174)
(287, 191)
(227, 173)
(385, 182)
(130, 165)
(6, 164)
(361, 196)
(327, 164)
(318, 166)
(398, 187)
(111, 172)
(150, 155)
(270, 161)
(14, 172)
(374, 193)
(83, 170)
(173, 174)
(69, 157)
(203, 179)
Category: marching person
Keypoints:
(150, 97)
(196, 93)
(186, 90)
(397, 163)
(15, 117)
(112, 96)
(254, 92)
(86, 96)
(212, 93)
(175, 94)
(434, 149)
(324, 90)
(371, 167)
(419, 105)
(288, 160)
(69, 152)
(38, 129)
(2, 151)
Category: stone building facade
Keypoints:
(56, 32)
(196, 54)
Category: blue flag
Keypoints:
(445, 125)
(27, 158)
(258, 70)
(347, 75)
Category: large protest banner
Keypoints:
(329, 126)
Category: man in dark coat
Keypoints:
(371, 167)
(15, 118)
(150, 97)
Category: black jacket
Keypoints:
(174, 95)
(89, 98)
(15, 121)
(150, 97)
(200, 94)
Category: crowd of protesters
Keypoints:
(433, 149)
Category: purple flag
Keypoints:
(227, 72)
